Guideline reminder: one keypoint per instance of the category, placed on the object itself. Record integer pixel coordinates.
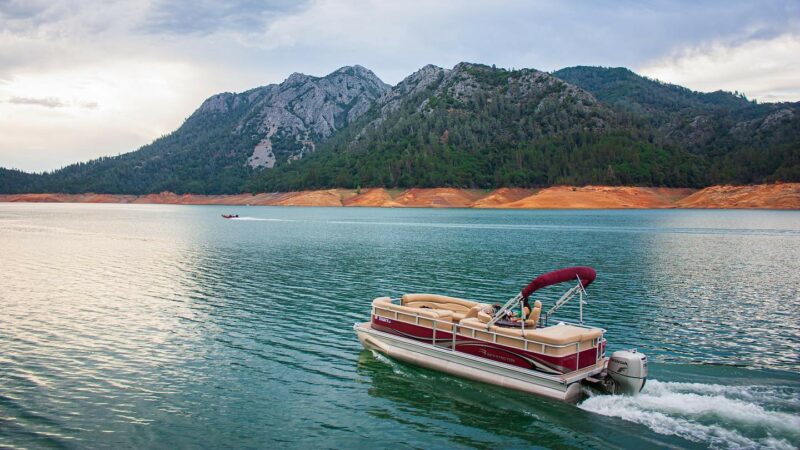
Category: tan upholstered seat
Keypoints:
(437, 302)
(473, 322)
(385, 303)
(555, 340)
(476, 328)
(563, 334)
(473, 312)
(459, 307)
(483, 316)
(419, 316)
(533, 319)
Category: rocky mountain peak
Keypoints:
(297, 78)
(410, 86)
(293, 117)
(463, 65)
(216, 103)
(357, 71)
(286, 121)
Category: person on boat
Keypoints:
(508, 316)
(511, 317)
(492, 309)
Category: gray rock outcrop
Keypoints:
(289, 119)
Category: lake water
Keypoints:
(170, 327)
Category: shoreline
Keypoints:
(762, 196)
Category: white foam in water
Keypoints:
(395, 366)
(261, 219)
(720, 416)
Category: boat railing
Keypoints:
(452, 328)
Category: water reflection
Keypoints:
(726, 294)
(96, 329)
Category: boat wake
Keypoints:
(260, 219)
(715, 415)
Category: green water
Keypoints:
(169, 327)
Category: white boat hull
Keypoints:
(565, 387)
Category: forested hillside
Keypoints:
(741, 140)
(228, 139)
(472, 126)
(478, 126)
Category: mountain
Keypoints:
(479, 126)
(472, 126)
(744, 141)
(226, 140)
(291, 118)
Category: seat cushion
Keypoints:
(563, 334)
(434, 301)
(385, 303)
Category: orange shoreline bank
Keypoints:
(763, 196)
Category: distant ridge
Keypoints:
(472, 126)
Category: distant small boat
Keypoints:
(230, 216)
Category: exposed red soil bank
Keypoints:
(600, 197)
(502, 196)
(437, 198)
(765, 196)
(371, 197)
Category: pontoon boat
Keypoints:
(494, 344)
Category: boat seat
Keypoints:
(385, 303)
(434, 301)
(459, 307)
(536, 313)
(472, 313)
(561, 334)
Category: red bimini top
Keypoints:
(585, 274)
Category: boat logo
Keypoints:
(383, 319)
(486, 354)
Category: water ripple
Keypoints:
(137, 326)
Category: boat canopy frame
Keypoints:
(584, 275)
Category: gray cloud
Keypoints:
(389, 37)
(50, 102)
(28, 15)
(47, 102)
(209, 16)
(15, 9)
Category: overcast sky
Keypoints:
(81, 79)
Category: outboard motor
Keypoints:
(628, 369)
